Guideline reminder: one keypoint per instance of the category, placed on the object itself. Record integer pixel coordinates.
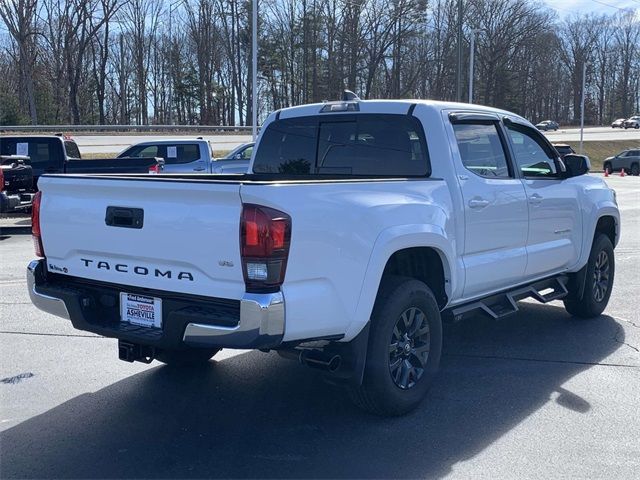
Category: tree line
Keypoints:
(189, 61)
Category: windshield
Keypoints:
(244, 149)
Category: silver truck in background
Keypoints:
(192, 156)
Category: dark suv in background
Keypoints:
(629, 160)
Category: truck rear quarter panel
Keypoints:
(343, 233)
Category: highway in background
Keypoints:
(593, 134)
(116, 143)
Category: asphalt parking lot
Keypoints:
(539, 395)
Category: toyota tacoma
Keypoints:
(360, 227)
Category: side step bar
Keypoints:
(504, 304)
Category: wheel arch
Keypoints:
(421, 263)
(394, 252)
(608, 225)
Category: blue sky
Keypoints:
(567, 7)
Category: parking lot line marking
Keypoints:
(50, 334)
(540, 360)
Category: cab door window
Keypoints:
(534, 158)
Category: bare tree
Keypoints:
(20, 18)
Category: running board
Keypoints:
(504, 304)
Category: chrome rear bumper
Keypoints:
(52, 305)
(261, 315)
(259, 324)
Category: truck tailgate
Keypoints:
(188, 239)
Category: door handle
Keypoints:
(478, 203)
(535, 199)
(199, 169)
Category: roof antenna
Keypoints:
(348, 95)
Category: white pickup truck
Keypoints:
(361, 227)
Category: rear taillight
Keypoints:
(265, 234)
(35, 224)
(154, 169)
(1, 180)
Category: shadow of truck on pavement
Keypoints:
(257, 415)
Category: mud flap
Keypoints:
(354, 359)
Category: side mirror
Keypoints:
(576, 165)
(237, 156)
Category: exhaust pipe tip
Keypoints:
(316, 360)
(335, 363)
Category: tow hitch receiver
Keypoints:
(132, 352)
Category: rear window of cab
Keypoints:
(344, 144)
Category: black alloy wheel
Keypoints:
(590, 298)
(409, 348)
(601, 276)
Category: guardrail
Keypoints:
(125, 128)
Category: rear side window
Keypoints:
(183, 153)
(72, 149)
(481, 149)
(41, 151)
(362, 144)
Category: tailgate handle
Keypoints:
(124, 217)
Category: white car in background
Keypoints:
(633, 122)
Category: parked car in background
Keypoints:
(629, 160)
(236, 161)
(633, 122)
(59, 154)
(618, 123)
(190, 156)
(16, 183)
(547, 125)
(563, 149)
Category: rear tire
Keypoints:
(189, 357)
(600, 271)
(405, 345)
(635, 170)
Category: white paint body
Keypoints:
(343, 232)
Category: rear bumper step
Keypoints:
(256, 321)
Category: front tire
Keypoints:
(189, 357)
(405, 345)
(600, 271)
(607, 166)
